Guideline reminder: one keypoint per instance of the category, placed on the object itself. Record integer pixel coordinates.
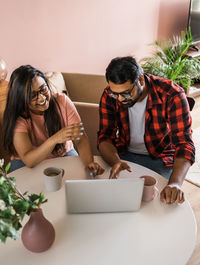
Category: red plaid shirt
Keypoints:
(167, 122)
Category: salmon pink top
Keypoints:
(70, 116)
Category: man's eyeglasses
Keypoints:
(126, 94)
(43, 90)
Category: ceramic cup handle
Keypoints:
(156, 191)
(63, 171)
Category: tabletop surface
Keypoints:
(158, 234)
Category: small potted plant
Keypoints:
(14, 205)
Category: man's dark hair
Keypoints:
(123, 69)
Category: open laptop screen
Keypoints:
(104, 195)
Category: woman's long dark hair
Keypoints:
(18, 100)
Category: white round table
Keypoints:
(158, 234)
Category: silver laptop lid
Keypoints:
(104, 195)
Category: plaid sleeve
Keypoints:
(180, 124)
(107, 129)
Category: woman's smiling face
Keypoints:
(40, 96)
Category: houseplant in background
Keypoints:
(171, 62)
(38, 233)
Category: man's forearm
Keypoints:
(180, 169)
(109, 153)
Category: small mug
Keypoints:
(53, 178)
(150, 188)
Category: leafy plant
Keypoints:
(14, 205)
(171, 62)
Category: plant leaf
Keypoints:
(8, 167)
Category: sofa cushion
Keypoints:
(56, 82)
(84, 87)
(89, 113)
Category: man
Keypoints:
(146, 120)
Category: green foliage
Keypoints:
(14, 205)
(170, 61)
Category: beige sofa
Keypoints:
(84, 87)
(85, 91)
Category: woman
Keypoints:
(39, 125)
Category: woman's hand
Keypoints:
(71, 132)
(94, 169)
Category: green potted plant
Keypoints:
(171, 62)
(14, 205)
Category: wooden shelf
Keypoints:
(194, 91)
(193, 54)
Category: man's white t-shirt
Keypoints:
(137, 127)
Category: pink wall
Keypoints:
(173, 17)
(82, 36)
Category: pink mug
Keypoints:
(150, 189)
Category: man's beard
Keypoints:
(128, 103)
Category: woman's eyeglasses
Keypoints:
(43, 90)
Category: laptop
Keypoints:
(104, 195)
